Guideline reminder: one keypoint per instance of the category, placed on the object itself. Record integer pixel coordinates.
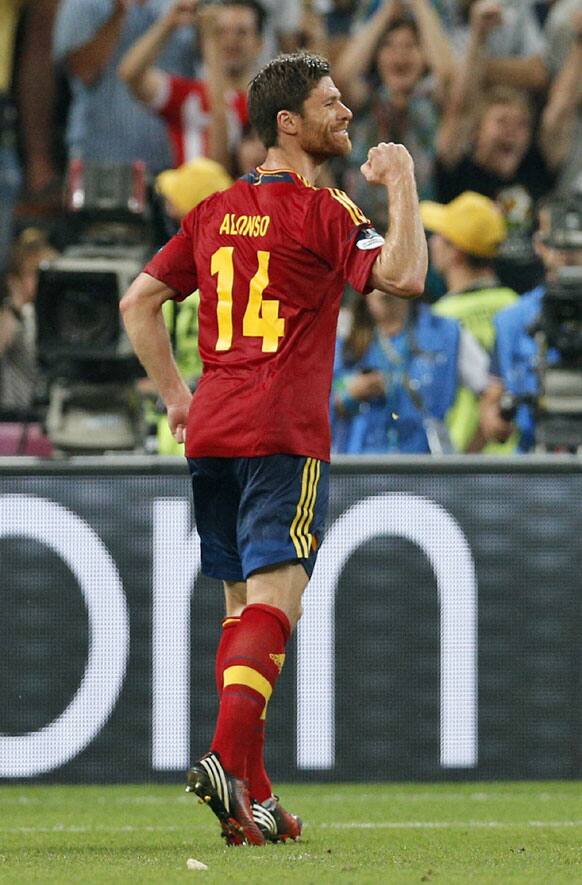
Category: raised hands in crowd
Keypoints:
(485, 95)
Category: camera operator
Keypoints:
(518, 356)
(18, 369)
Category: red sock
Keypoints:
(259, 783)
(222, 651)
(255, 657)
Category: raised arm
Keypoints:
(218, 127)
(400, 268)
(435, 43)
(351, 67)
(559, 117)
(469, 81)
(141, 308)
(527, 73)
(36, 95)
(137, 67)
(90, 60)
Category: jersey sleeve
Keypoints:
(338, 231)
(174, 264)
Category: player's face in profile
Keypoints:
(324, 122)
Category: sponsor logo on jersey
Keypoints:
(368, 238)
(245, 225)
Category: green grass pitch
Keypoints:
(370, 833)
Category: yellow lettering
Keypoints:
(245, 225)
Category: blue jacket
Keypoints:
(428, 352)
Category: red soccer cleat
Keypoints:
(276, 824)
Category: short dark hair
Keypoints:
(256, 7)
(283, 84)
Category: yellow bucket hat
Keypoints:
(472, 222)
(192, 182)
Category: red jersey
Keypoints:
(185, 107)
(270, 256)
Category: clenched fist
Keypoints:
(387, 164)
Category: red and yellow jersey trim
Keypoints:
(354, 211)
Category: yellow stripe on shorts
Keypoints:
(300, 528)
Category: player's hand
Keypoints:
(387, 164)
(367, 385)
(178, 418)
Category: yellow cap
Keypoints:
(471, 222)
(192, 182)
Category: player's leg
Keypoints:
(268, 813)
(216, 502)
(256, 654)
(235, 599)
(280, 519)
(274, 820)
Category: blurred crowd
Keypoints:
(485, 94)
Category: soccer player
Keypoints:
(270, 256)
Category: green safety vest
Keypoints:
(182, 321)
(475, 311)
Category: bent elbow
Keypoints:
(410, 287)
(127, 304)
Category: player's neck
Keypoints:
(297, 161)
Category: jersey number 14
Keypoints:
(261, 318)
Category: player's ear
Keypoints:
(287, 122)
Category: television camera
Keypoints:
(557, 405)
(85, 356)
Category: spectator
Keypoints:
(18, 369)
(396, 377)
(517, 351)
(234, 40)
(466, 235)
(26, 108)
(400, 103)
(486, 144)
(561, 130)
(106, 125)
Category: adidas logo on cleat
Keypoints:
(276, 824)
(264, 820)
